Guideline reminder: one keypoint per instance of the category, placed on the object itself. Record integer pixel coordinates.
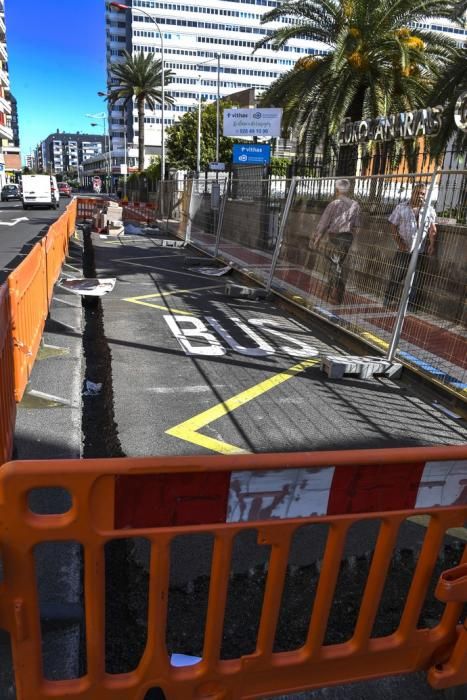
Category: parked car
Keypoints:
(10, 192)
(40, 190)
(64, 189)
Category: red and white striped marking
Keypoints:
(249, 496)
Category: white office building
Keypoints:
(195, 32)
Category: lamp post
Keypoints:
(107, 159)
(125, 147)
(198, 134)
(218, 58)
(121, 6)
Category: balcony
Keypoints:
(4, 79)
(3, 52)
(5, 105)
(6, 132)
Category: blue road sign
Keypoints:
(251, 153)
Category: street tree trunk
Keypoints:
(141, 135)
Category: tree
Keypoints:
(139, 77)
(379, 62)
(182, 138)
(451, 84)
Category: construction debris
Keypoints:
(336, 366)
(88, 286)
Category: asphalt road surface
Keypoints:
(18, 227)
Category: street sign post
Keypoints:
(247, 123)
(217, 166)
(251, 154)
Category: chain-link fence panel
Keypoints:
(345, 255)
(251, 224)
(173, 205)
(203, 212)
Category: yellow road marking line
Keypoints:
(180, 312)
(177, 291)
(188, 430)
(138, 300)
(375, 339)
(424, 521)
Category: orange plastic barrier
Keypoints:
(72, 213)
(275, 495)
(30, 292)
(55, 250)
(87, 207)
(29, 308)
(7, 392)
(139, 211)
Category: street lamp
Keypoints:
(218, 57)
(198, 135)
(107, 160)
(125, 146)
(121, 6)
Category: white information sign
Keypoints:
(246, 123)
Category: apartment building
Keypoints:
(6, 131)
(12, 153)
(64, 152)
(194, 34)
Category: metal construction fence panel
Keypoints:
(353, 279)
(356, 280)
(206, 201)
(7, 379)
(274, 498)
(176, 196)
(250, 226)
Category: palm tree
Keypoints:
(450, 85)
(379, 62)
(139, 77)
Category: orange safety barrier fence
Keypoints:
(87, 207)
(29, 308)
(139, 211)
(56, 241)
(7, 390)
(30, 295)
(72, 211)
(160, 499)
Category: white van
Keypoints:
(40, 190)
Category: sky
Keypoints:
(56, 60)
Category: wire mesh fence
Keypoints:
(355, 277)
(346, 255)
(250, 226)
